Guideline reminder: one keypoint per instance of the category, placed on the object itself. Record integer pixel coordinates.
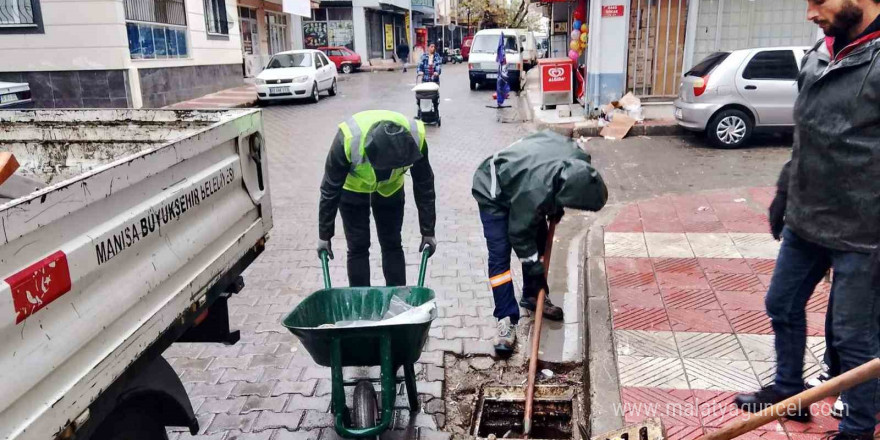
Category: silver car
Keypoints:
(730, 94)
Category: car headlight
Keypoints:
(301, 79)
(260, 81)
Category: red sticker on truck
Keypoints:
(37, 285)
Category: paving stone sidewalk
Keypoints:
(244, 96)
(686, 277)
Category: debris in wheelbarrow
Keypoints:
(390, 344)
(399, 312)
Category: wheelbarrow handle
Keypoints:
(325, 267)
(423, 267)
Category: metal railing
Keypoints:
(656, 46)
(155, 11)
(16, 13)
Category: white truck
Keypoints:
(123, 231)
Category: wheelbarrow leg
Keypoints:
(409, 376)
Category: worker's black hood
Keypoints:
(578, 186)
(390, 145)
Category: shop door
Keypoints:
(741, 24)
(375, 33)
(656, 46)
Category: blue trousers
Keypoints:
(498, 243)
(854, 321)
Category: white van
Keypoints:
(482, 68)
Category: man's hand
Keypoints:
(777, 214)
(324, 245)
(556, 217)
(430, 243)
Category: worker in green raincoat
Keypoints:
(518, 190)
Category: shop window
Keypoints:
(156, 29)
(250, 38)
(20, 17)
(339, 13)
(277, 25)
(215, 17)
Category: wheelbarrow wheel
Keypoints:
(365, 409)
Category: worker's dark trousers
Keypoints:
(388, 213)
(855, 322)
(498, 242)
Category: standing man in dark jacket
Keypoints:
(365, 167)
(518, 190)
(403, 53)
(827, 212)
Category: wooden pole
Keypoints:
(833, 387)
(536, 334)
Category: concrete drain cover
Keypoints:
(501, 410)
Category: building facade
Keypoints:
(129, 53)
(645, 46)
(265, 30)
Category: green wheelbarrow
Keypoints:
(387, 346)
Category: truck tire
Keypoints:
(131, 423)
(365, 409)
(473, 85)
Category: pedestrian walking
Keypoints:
(365, 169)
(403, 53)
(518, 190)
(826, 211)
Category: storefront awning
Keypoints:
(427, 11)
(392, 8)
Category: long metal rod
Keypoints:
(536, 335)
(867, 371)
(666, 47)
(647, 48)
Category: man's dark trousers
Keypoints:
(855, 320)
(500, 278)
(388, 213)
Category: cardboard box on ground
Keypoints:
(619, 117)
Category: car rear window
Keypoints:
(708, 64)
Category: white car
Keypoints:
(297, 74)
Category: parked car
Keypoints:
(297, 74)
(346, 60)
(731, 94)
(482, 68)
(15, 95)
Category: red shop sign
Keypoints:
(556, 77)
(612, 11)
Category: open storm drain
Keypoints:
(501, 410)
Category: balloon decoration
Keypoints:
(575, 34)
(580, 35)
(573, 54)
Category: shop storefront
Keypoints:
(385, 29)
(329, 26)
(265, 31)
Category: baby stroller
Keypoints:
(427, 101)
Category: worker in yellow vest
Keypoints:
(365, 168)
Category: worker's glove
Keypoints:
(430, 243)
(324, 245)
(777, 214)
(534, 280)
(556, 217)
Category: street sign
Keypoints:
(612, 11)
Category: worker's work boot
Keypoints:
(767, 397)
(505, 339)
(551, 311)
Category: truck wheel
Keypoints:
(730, 129)
(131, 423)
(473, 85)
(365, 406)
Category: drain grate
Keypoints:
(501, 410)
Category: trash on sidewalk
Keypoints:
(547, 373)
(632, 106)
(619, 127)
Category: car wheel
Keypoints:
(346, 68)
(730, 129)
(333, 89)
(316, 94)
(473, 85)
